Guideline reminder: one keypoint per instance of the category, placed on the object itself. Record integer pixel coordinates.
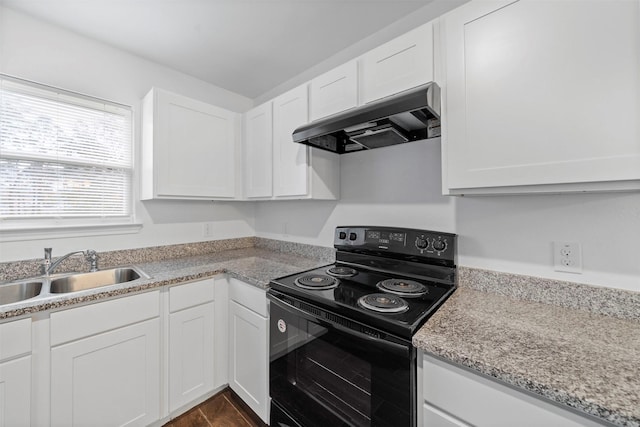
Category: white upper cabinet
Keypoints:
(400, 64)
(541, 96)
(190, 148)
(274, 165)
(290, 160)
(258, 151)
(334, 91)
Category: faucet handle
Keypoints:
(47, 260)
(92, 257)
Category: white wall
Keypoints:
(33, 50)
(400, 186)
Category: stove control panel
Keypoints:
(398, 241)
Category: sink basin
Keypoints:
(96, 279)
(15, 292)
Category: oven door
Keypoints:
(326, 370)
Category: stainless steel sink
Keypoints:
(16, 292)
(96, 279)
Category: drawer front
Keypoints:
(93, 319)
(15, 338)
(480, 401)
(433, 417)
(191, 294)
(253, 298)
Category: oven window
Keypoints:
(325, 376)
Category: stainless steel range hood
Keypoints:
(407, 116)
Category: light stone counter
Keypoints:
(255, 261)
(562, 350)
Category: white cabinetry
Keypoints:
(400, 64)
(105, 363)
(192, 350)
(258, 151)
(290, 160)
(190, 148)
(334, 91)
(248, 346)
(298, 171)
(15, 373)
(454, 397)
(541, 96)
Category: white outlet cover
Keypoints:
(567, 257)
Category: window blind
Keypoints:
(63, 155)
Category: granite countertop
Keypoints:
(575, 345)
(256, 266)
(587, 361)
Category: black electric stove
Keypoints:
(340, 335)
(391, 279)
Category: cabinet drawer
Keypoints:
(480, 401)
(191, 294)
(433, 417)
(92, 319)
(251, 297)
(15, 338)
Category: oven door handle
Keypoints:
(386, 344)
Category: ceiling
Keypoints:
(245, 46)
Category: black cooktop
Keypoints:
(343, 298)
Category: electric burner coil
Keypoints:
(403, 287)
(383, 303)
(341, 271)
(316, 282)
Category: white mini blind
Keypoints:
(63, 155)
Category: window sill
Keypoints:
(39, 233)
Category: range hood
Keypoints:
(407, 116)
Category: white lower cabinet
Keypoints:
(193, 353)
(137, 360)
(455, 397)
(105, 363)
(248, 346)
(15, 373)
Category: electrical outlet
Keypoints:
(567, 257)
(207, 229)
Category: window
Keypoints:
(65, 159)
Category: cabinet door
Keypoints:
(290, 160)
(258, 149)
(110, 379)
(249, 358)
(542, 93)
(15, 393)
(402, 63)
(334, 91)
(191, 354)
(195, 145)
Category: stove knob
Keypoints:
(352, 236)
(421, 243)
(342, 235)
(439, 245)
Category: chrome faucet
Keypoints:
(47, 266)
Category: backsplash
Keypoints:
(28, 268)
(600, 300)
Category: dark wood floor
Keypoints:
(225, 409)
